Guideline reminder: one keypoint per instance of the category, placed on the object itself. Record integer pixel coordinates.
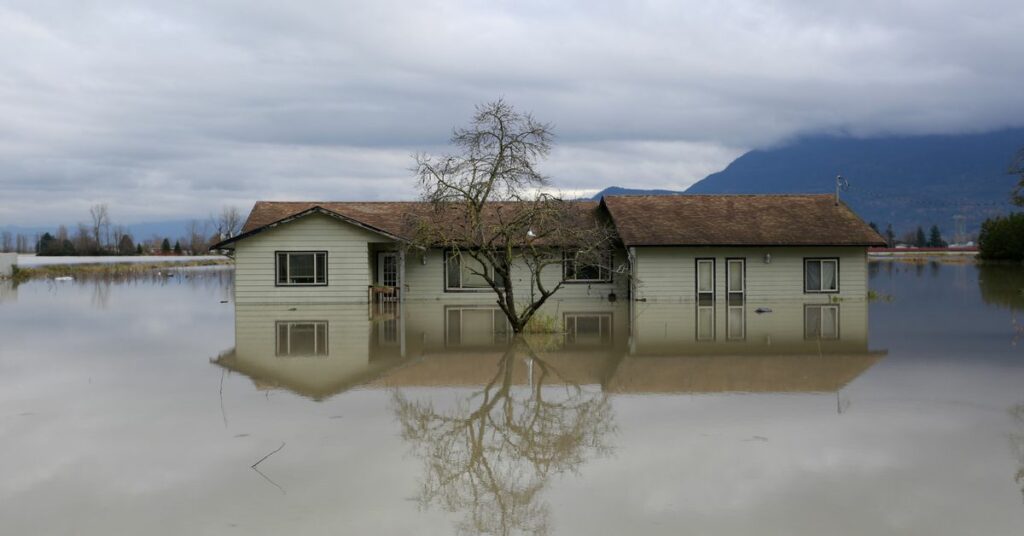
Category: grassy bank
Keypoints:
(114, 270)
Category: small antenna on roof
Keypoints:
(843, 184)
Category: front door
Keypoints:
(387, 269)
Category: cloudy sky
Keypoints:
(168, 110)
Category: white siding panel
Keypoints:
(667, 274)
(347, 248)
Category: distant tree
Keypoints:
(919, 239)
(50, 245)
(125, 246)
(44, 244)
(165, 246)
(177, 247)
(195, 236)
(1017, 195)
(890, 235)
(138, 248)
(21, 244)
(6, 242)
(83, 240)
(874, 227)
(227, 223)
(935, 238)
(1002, 238)
(100, 223)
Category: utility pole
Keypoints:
(841, 183)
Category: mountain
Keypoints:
(905, 181)
(618, 190)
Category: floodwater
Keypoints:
(153, 406)
(33, 260)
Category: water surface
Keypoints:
(139, 406)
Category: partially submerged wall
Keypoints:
(7, 263)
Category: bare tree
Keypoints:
(100, 223)
(6, 242)
(488, 208)
(83, 240)
(21, 244)
(195, 236)
(227, 223)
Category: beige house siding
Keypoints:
(425, 281)
(348, 269)
(668, 274)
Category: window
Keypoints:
(301, 268)
(821, 275)
(301, 339)
(587, 329)
(705, 281)
(475, 326)
(735, 280)
(581, 267)
(736, 323)
(821, 322)
(463, 272)
(705, 322)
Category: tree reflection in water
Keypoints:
(493, 454)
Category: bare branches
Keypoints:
(488, 206)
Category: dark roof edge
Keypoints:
(311, 210)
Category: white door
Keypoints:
(387, 269)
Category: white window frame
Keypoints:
(730, 292)
(453, 256)
(821, 322)
(821, 262)
(730, 325)
(571, 265)
(287, 275)
(696, 279)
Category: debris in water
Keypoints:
(761, 310)
(63, 278)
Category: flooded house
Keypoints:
(695, 249)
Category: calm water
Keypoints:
(140, 407)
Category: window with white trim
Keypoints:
(301, 339)
(301, 268)
(735, 280)
(590, 267)
(736, 323)
(463, 272)
(705, 281)
(821, 275)
(821, 322)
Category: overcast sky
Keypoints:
(170, 109)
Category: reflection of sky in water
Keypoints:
(114, 419)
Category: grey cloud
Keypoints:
(188, 105)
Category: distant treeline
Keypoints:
(916, 238)
(1002, 238)
(101, 237)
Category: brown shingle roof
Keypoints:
(737, 220)
(642, 220)
(391, 218)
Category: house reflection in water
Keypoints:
(320, 350)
